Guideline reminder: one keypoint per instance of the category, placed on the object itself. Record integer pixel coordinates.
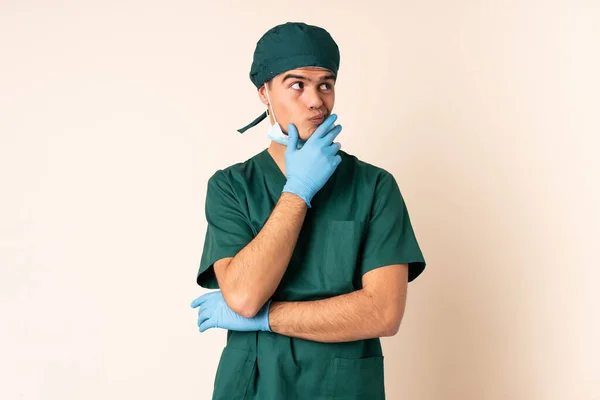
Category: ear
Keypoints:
(262, 95)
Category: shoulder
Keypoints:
(365, 172)
(234, 175)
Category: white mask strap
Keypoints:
(271, 104)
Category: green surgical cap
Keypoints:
(289, 46)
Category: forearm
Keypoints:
(252, 276)
(354, 316)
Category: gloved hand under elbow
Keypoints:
(215, 313)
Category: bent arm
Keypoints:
(250, 278)
(376, 310)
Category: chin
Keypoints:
(307, 133)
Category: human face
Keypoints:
(303, 97)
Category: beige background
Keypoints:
(113, 115)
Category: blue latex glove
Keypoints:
(308, 169)
(215, 313)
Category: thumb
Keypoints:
(292, 137)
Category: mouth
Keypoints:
(318, 119)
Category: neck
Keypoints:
(277, 152)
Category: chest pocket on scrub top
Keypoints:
(344, 242)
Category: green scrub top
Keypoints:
(358, 222)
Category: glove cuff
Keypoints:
(299, 189)
(266, 326)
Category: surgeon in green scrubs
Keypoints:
(310, 249)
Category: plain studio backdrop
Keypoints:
(114, 114)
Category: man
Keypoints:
(310, 247)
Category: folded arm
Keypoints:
(376, 310)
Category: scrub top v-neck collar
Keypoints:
(277, 179)
(271, 168)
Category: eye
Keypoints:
(298, 85)
(325, 86)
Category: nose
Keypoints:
(314, 101)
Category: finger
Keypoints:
(200, 300)
(203, 313)
(204, 298)
(333, 148)
(337, 160)
(332, 127)
(203, 317)
(332, 134)
(206, 325)
(292, 137)
(325, 126)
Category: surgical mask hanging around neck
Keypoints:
(275, 133)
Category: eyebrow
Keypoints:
(304, 78)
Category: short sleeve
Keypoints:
(390, 238)
(228, 229)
